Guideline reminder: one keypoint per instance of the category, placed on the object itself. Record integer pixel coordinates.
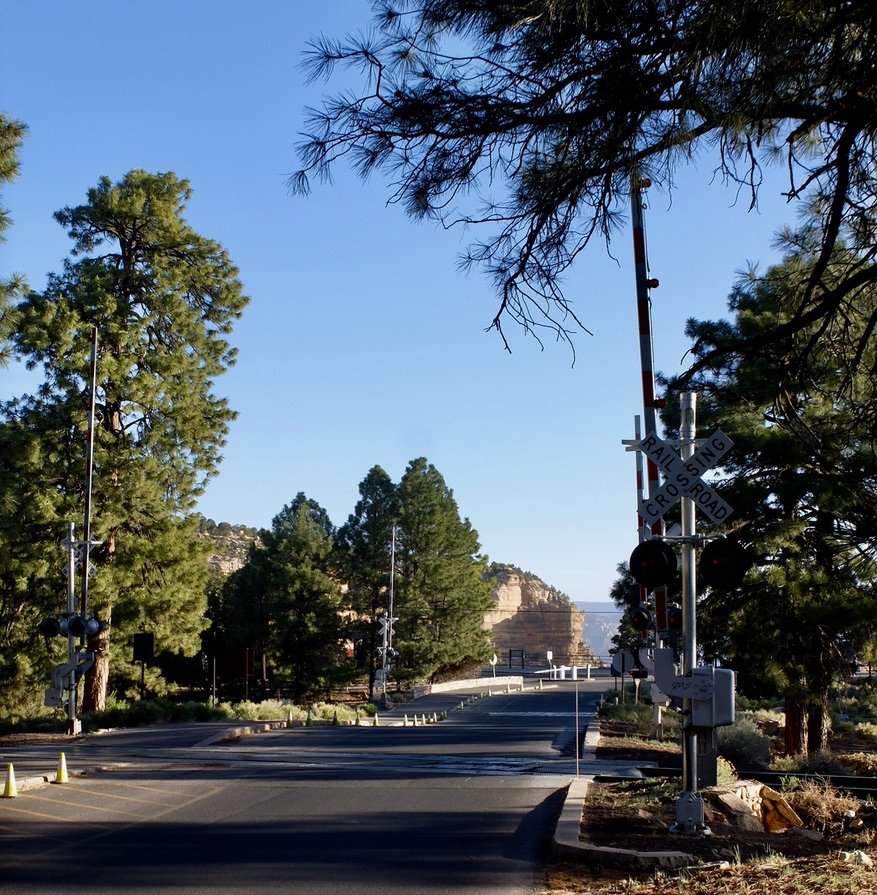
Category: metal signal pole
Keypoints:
(89, 473)
(73, 724)
(389, 651)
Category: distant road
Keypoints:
(464, 806)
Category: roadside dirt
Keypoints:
(638, 815)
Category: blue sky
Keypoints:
(363, 344)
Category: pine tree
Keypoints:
(802, 479)
(442, 588)
(244, 614)
(288, 596)
(163, 300)
(529, 118)
(11, 135)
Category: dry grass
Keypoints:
(820, 806)
(773, 875)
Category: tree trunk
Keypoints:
(94, 697)
(818, 725)
(796, 725)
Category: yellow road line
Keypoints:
(79, 806)
(108, 795)
(28, 813)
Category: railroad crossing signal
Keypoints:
(642, 618)
(72, 625)
(682, 478)
(723, 564)
(653, 563)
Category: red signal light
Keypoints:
(653, 563)
(641, 618)
(723, 564)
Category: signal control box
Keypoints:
(709, 689)
(719, 710)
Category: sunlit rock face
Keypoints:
(532, 616)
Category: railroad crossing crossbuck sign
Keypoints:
(682, 478)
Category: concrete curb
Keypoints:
(568, 843)
(35, 781)
(591, 741)
(235, 733)
(567, 840)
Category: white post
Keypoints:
(578, 734)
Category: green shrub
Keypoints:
(637, 714)
(725, 772)
(156, 711)
(326, 711)
(268, 710)
(856, 704)
(47, 722)
(823, 763)
(121, 713)
(770, 704)
(744, 746)
(768, 721)
(867, 730)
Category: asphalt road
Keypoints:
(465, 805)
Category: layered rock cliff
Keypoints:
(531, 616)
(230, 544)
